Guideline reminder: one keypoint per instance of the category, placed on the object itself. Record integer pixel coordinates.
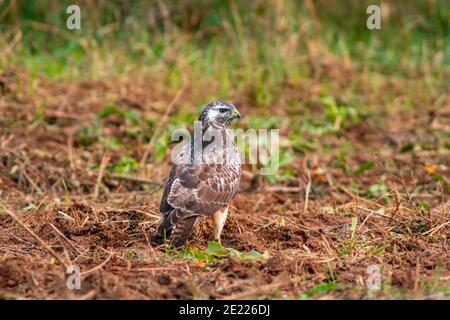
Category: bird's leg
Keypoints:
(219, 221)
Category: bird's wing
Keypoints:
(165, 207)
(192, 191)
(203, 189)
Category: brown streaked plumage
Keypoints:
(202, 189)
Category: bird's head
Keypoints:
(219, 114)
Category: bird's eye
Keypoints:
(223, 110)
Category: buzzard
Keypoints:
(204, 180)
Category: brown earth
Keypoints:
(104, 222)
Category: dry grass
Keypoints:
(320, 233)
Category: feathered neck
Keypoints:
(206, 124)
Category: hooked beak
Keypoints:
(235, 114)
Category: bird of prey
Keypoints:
(202, 184)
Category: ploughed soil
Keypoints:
(70, 196)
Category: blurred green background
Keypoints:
(240, 43)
